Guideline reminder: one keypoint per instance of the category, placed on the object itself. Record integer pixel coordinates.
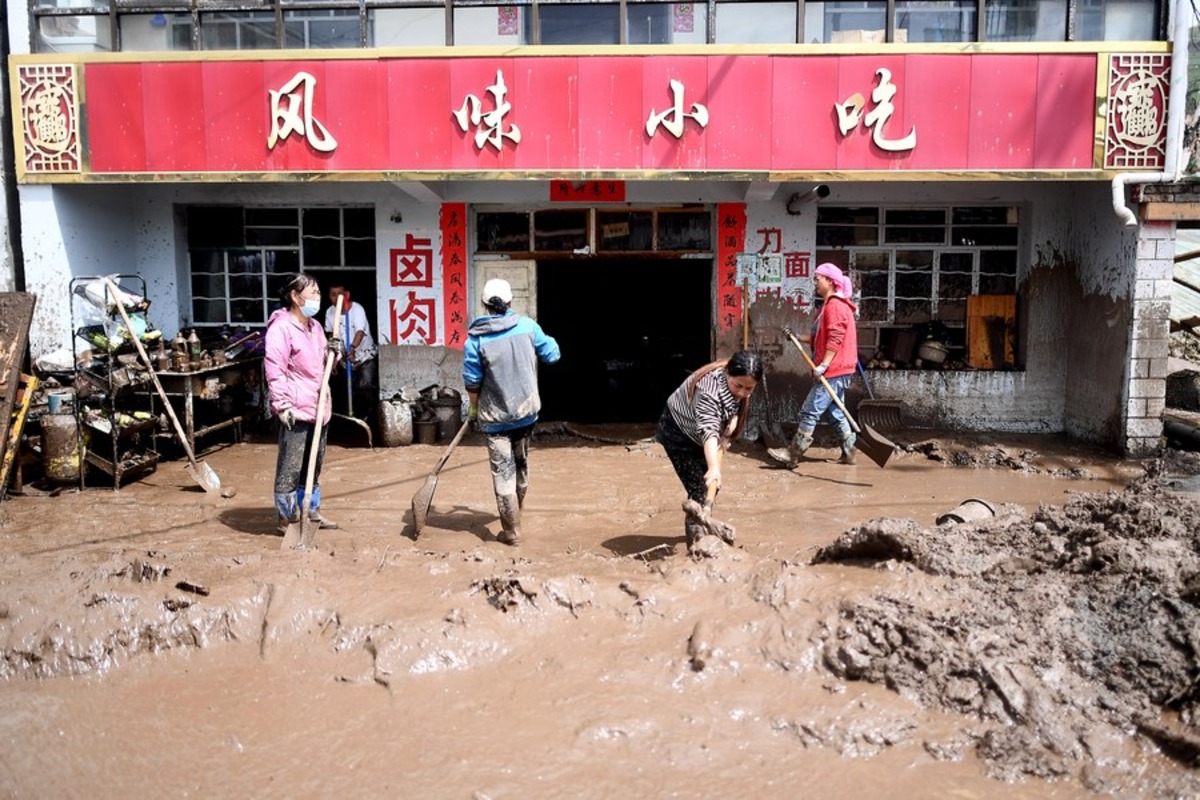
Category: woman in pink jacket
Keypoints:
(834, 343)
(294, 365)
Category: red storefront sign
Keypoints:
(623, 114)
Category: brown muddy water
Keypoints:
(157, 642)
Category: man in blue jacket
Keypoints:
(500, 364)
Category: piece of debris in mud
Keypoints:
(700, 645)
(194, 588)
(506, 594)
(143, 570)
(176, 603)
(988, 456)
(1052, 630)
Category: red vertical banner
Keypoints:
(731, 240)
(453, 224)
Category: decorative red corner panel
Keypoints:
(50, 117)
(1136, 123)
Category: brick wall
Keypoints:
(1147, 377)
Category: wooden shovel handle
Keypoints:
(183, 440)
(824, 382)
(713, 486)
(318, 423)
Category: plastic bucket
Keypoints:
(60, 401)
(969, 510)
(447, 414)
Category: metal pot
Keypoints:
(932, 351)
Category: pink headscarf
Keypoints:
(841, 284)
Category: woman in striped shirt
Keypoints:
(702, 418)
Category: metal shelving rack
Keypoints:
(116, 442)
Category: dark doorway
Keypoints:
(630, 331)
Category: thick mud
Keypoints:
(157, 636)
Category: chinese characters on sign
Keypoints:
(850, 113)
(731, 238)
(50, 118)
(782, 273)
(673, 118)
(291, 112)
(453, 221)
(414, 315)
(1138, 86)
(489, 125)
(587, 191)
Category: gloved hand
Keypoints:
(473, 411)
(336, 346)
(288, 417)
(820, 369)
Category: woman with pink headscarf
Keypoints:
(835, 352)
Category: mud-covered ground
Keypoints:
(157, 640)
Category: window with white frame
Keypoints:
(915, 266)
(101, 25)
(240, 257)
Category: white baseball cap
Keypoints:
(499, 289)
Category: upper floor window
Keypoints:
(213, 25)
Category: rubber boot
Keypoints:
(510, 519)
(848, 452)
(287, 510)
(692, 531)
(521, 489)
(792, 454)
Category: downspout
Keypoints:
(1176, 109)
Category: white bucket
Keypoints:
(968, 510)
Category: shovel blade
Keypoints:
(204, 475)
(421, 502)
(293, 537)
(877, 447)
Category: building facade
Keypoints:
(657, 181)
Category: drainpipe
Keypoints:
(1176, 108)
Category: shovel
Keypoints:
(299, 534)
(201, 473)
(702, 514)
(349, 403)
(877, 448)
(424, 496)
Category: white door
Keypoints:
(521, 276)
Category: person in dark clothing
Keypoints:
(500, 363)
(701, 419)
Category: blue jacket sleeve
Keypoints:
(545, 346)
(472, 369)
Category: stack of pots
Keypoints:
(433, 416)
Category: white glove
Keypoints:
(820, 369)
(288, 417)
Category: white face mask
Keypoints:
(311, 307)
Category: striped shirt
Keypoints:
(710, 409)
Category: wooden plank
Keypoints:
(24, 398)
(991, 330)
(16, 313)
(1163, 212)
